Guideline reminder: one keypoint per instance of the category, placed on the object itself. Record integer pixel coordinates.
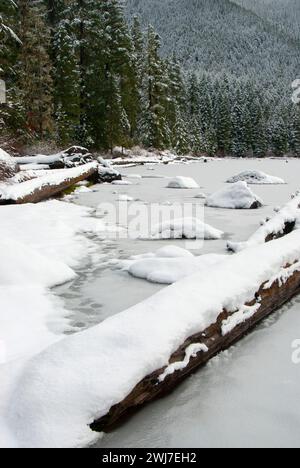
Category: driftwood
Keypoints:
(47, 190)
(150, 388)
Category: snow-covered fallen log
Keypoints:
(46, 186)
(284, 222)
(69, 158)
(145, 351)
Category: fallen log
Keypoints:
(45, 186)
(198, 349)
(283, 223)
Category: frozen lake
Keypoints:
(247, 396)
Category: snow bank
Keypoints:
(40, 244)
(183, 183)
(52, 228)
(22, 264)
(57, 398)
(288, 214)
(169, 265)
(185, 228)
(236, 196)
(256, 178)
(19, 191)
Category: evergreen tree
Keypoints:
(35, 80)
(155, 124)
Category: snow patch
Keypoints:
(190, 352)
(185, 228)
(183, 183)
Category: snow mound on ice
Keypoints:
(236, 196)
(169, 270)
(121, 182)
(185, 228)
(201, 196)
(255, 178)
(183, 183)
(125, 198)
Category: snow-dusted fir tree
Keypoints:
(156, 128)
(35, 77)
(66, 72)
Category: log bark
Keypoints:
(150, 388)
(46, 191)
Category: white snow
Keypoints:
(201, 196)
(256, 178)
(75, 381)
(239, 317)
(22, 264)
(125, 198)
(4, 156)
(40, 244)
(183, 183)
(121, 182)
(288, 214)
(185, 228)
(190, 352)
(169, 265)
(14, 192)
(235, 196)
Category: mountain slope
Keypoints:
(219, 35)
(284, 13)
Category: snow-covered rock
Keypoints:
(255, 178)
(183, 183)
(168, 270)
(235, 196)
(201, 196)
(185, 228)
(8, 166)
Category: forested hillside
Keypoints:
(77, 71)
(284, 13)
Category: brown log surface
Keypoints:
(45, 191)
(150, 387)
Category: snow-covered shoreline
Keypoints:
(51, 410)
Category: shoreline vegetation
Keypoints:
(87, 74)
